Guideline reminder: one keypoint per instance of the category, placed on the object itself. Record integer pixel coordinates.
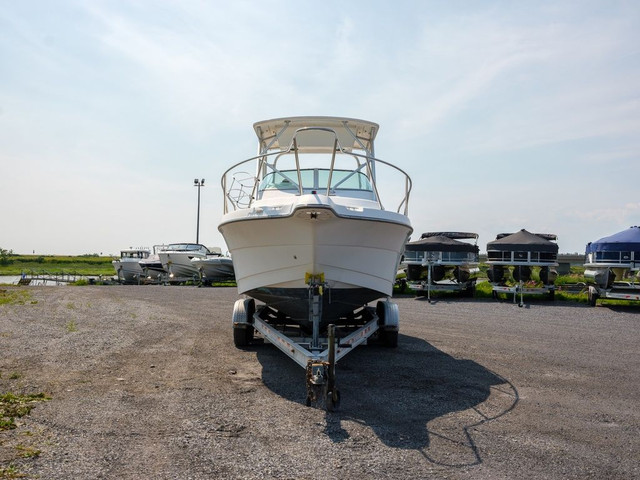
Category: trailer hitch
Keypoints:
(321, 378)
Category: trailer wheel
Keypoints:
(389, 338)
(243, 311)
(593, 296)
(388, 321)
(333, 400)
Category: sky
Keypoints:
(506, 115)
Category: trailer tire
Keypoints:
(243, 311)
(241, 336)
(593, 296)
(389, 338)
(333, 400)
(388, 321)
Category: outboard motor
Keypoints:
(522, 272)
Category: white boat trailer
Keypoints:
(317, 354)
(519, 288)
(467, 287)
(618, 291)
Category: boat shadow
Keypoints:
(413, 397)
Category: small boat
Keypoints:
(176, 260)
(214, 266)
(439, 261)
(128, 267)
(311, 239)
(613, 264)
(523, 251)
(152, 266)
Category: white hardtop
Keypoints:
(352, 134)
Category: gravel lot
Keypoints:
(145, 383)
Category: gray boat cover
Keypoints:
(523, 241)
(625, 241)
(440, 243)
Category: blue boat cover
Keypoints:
(625, 241)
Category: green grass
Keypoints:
(14, 296)
(11, 472)
(57, 264)
(14, 406)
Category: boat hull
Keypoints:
(128, 271)
(178, 264)
(214, 268)
(357, 257)
(152, 268)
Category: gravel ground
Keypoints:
(145, 383)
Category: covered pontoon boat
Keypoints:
(523, 251)
(613, 264)
(439, 261)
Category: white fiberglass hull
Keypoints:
(128, 271)
(152, 267)
(178, 264)
(358, 252)
(214, 267)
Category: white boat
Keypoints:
(128, 267)
(152, 266)
(312, 211)
(311, 239)
(214, 266)
(176, 259)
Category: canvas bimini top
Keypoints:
(524, 241)
(443, 242)
(353, 134)
(626, 241)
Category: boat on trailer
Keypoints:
(214, 267)
(440, 261)
(311, 240)
(152, 266)
(176, 260)
(613, 265)
(523, 251)
(127, 266)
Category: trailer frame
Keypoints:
(317, 353)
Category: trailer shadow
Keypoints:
(413, 397)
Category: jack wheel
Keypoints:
(333, 400)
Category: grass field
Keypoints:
(54, 264)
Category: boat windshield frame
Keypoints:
(186, 247)
(241, 189)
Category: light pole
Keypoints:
(198, 183)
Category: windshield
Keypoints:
(316, 179)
